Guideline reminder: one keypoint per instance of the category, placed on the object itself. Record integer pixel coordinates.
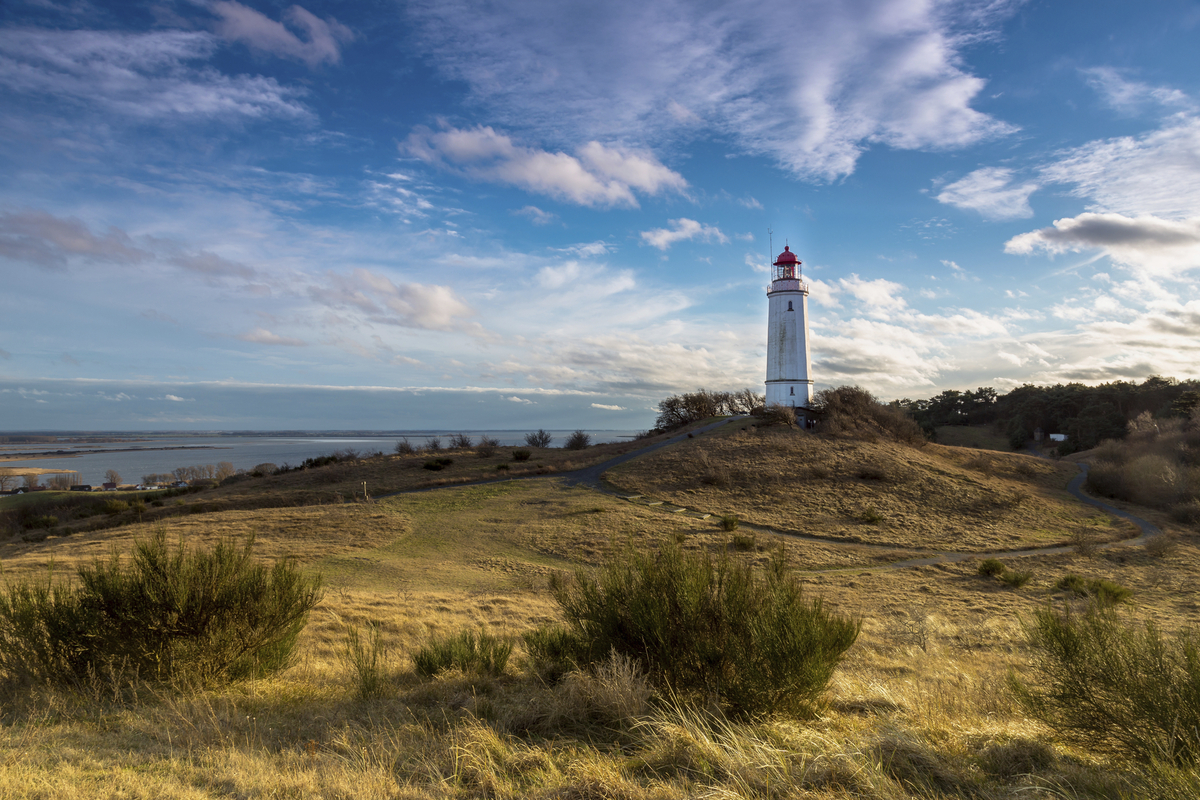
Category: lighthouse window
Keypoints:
(793, 391)
(789, 305)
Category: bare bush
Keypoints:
(539, 439)
(486, 447)
(460, 441)
(853, 411)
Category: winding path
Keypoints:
(592, 478)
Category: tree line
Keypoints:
(1086, 414)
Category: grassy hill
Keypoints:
(918, 709)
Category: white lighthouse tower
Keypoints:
(789, 376)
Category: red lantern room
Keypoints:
(787, 266)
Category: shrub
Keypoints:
(170, 614)
(871, 516)
(776, 414)
(729, 522)
(433, 445)
(502, 467)
(853, 411)
(539, 439)
(720, 629)
(1101, 681)
(1016, 579)
(521, 455)
(743, 542)
(481, 653)
(553, 651)
(404, 447)
(437, 464)
(460, 441)
(114, 507)
(487, 447)
(578, 441)
(991, 567)
(1104, 592)
(1188, 513)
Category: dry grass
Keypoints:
(916, 711)
(880, 493)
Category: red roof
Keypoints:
(787, 257)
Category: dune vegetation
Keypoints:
(419, 673)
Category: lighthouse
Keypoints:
(789, 376)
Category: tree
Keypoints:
(112, 476)
(539, 439)
(31, 480)
(225, 470)
(7, 481)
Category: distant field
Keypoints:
(918, 709)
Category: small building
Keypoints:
(1058, 437)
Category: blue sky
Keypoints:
(226, 215)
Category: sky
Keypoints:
(416, 214)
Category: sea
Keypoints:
(139, 454)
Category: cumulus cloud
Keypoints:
(264, 336)
(1147, 243)
(810, 83)
(682, 229)
(409, 305)
(322, 42)
(147, 76)
(991, 192)
(597, 176)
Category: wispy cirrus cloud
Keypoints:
(597, 175)
(321, 45)
(992, 192)
(810, 83)
(147, 76)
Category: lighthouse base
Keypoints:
(796, 394)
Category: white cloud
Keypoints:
(323, 36)
(810, 83)
(681, 230)
(990, 192)
(515, 399)
(36, 237)
(174, 398)
(536, 215)
(264, 336)
(599, 176)
(1150, 244)
(607, 407)
(409, 305)
(1015, 360)
(1155, 174)
(1129, 96)
(141, 75)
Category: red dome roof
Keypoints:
(787, 257)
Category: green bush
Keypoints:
(1105, 682)
(721, 630)
(871, 516)
(1016, 579)
(170, 613)
(437, 464)
(744, 542)
(729, 522)
(521, 455)
(480, 653)
(1103, 591)
(114, 507)
(553, 651)
(991, 567)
